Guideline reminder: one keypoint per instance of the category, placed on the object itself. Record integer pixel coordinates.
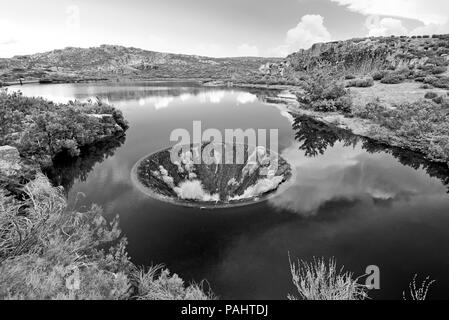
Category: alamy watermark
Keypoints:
(212, 147)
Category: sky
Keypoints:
(225, 28)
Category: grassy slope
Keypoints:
(393, 110)
(110, 62)
(48, 251)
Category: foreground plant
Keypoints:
(321, 280)
(49, 252)
(418, 292)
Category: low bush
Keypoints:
(378, 75)
(438, 99)
(361, 83)
(438, 82)
(438, 70)
(322, 280)
(49, 252)
(323, 93)
(393, 78)
(41, 129)
(425, 122)
(418, 292)
(430, 95)
(433, 69)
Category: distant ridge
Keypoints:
(112, 61)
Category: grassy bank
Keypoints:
(405, 115)
(48, 251)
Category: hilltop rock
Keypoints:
(366, 54)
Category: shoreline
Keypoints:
(358, 126)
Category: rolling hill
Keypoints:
(110, 62)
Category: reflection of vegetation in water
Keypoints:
(147, 92)
(67, 169)
(315, 137)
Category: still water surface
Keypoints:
(351, 199)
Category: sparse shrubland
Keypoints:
(48, 251)
(41, 129)
(324, 280)
(423, 123)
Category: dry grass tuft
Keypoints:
(419, 293)
(321, 280)
(156, 283)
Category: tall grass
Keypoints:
(50, 252)
(418, 292)
(321, 280)
(156, 283)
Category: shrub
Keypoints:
(438, 70)
(41, 129)
(430, 95)
(378, 75)
(441, 82)
(157, 284)
(49, 252)
(361, 83)
(393, 78)
(373, 110)
(321, 280)
(323, 93)
(433, 69)
(344, 104)
(438, 100)
(424, 122)
(418, 293)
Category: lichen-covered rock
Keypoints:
(9, 160)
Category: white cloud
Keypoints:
(428, 12)
(431, 29)
(310, 30)
(246, 50)
(433, 14)
(280, 51)
(387, 27)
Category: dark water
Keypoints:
(354, 200)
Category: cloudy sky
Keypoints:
(210, 27)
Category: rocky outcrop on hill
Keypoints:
(367, 54)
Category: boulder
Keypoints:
(9, 160)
